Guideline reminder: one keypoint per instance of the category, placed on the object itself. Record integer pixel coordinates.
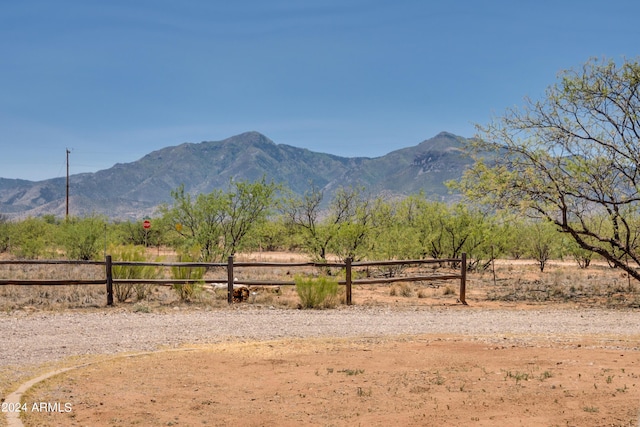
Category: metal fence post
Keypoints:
(109, 273)
(230, 279)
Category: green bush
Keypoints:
(187, 291)
(30, 238)
(82, 238)
(320, 292)
(131, 253)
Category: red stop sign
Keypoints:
(146, 224)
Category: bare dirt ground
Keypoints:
(412, 381)
(559, 348)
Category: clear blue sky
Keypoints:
(114, 80)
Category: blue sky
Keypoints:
(114, 80)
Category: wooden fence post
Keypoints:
(463, 279)
(230, 279)
(348, 280)
(109, 273)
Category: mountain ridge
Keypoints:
(133, 190)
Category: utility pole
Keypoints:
(67, 211)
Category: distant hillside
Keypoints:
(133, 190)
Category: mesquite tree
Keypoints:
(216, 223)
(571, 159)
(342, 229)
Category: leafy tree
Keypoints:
(426, 220)
(270, 235)
(464, 230)
(247, 205)
(198, 221)
(582, 256)
(391, 237)
(83, 238)
(512, 234)
(570, 157)
(218, 222)
(445, 231)
(303, 213)
(479, 235)
(354, 230)
(133, 233)
(342, 229)
(542, 242)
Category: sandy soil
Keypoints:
(411, 381)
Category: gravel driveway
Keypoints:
(44, 337)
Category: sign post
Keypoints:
(146, 224)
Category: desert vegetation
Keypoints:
(553, 182)
(550, 218)
(351, 226)
(510, 258)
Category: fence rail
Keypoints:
(231, 281)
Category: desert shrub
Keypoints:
(82, 238)
(401, 289)
(582, 256)
(448, 290)
(142, 290)
(187, 291)
(320, 292)
(123, 291)
(4, 233)
(30, 238)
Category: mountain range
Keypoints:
(134, 190)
